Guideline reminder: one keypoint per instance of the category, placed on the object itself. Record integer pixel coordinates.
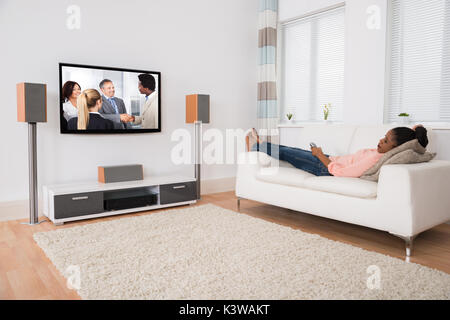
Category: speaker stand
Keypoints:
(32, 172)
(198, 154)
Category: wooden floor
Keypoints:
(26, 273)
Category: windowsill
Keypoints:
(302, 124)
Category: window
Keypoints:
(419, 77)
(313, 66)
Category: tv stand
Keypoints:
(79, 201)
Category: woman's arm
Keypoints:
(317, 152)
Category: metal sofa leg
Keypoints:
(408, 244)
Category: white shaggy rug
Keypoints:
(207, 252)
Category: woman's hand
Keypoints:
(316, 152)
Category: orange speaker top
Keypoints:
(31, 102)
(197, 108)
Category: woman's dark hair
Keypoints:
(404, 134)
(68, 89)
(147, 81)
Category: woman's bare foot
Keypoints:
(255, 135)
(252, 138)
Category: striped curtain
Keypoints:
(267, 109)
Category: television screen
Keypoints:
(109, 100)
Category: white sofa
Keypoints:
(408, 198)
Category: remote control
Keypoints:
(313, 145)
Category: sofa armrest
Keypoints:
(249, 164)
(419, 190)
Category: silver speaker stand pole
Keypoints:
(198, 155)
(32, 171)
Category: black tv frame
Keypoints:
(117, 131)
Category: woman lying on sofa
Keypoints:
(352, 165)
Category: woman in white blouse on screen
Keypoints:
(70, 91)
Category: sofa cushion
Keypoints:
(283, 175)
(367, 137)
(353, 187)
(294, 177)
(409, 152)
(334, 139)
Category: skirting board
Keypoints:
(15, 210)
(218, 185)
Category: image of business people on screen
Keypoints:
(113, 108)
(70, 92)
(88, 117)
(149, 112)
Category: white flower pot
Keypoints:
(404, 120)
(327, 121)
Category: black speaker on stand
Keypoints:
(32, 108)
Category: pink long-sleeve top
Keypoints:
(353, 165)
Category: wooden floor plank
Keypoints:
(26, 284)
(54, 282)
(6, 292)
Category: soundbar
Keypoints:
(123, 173)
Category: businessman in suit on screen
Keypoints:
(113, 108)
(149, 112)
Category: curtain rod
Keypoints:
(312, 13)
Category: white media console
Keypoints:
(77, 201)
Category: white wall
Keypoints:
(365, 63)
(199, 46)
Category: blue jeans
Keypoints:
(299, 158)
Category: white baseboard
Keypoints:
(218, 185)
(15, 210)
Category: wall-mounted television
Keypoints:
(97, 99)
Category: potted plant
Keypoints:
(289, 116)
(326, 112)
(404, 118)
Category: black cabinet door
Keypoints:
(177, 192)
(78, 204)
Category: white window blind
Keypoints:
(313, 66)
(419, 81)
